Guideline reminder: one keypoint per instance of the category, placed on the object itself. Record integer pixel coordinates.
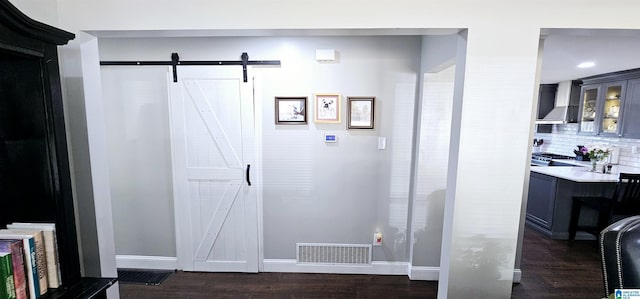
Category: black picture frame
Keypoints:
(360, 112)
(291, 110)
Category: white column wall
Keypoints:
(494, 134)
(96, 132)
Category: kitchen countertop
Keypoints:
(581, 173)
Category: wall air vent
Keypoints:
(326, 253)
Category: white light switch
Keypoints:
(382, 143)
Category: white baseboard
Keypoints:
(146, 262)
(378, 268)
(424, 273)
(517, 275)
(432, 273)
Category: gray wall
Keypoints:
(312, 191)
(137, 125)
(438, 52)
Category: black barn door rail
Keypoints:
(175, 61)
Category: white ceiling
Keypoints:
(610, 50)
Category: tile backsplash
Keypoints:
(564, 138)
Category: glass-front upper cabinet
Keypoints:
(611, 108)
(601, 111)
(589, 105)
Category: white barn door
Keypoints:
(212, 139)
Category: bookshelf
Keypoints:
(35, 180)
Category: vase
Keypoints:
(594, 165)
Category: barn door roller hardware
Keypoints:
(175, 61)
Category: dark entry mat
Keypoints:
(143, 276)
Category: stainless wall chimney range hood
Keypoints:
(558, 115)
(562, 107)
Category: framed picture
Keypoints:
(360, 112)
(327, 108)
(291, 110)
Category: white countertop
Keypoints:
(582, 173)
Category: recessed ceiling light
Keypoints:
(586, 64)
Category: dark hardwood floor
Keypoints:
(559, 269)
(551, 269)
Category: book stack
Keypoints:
(28, 260)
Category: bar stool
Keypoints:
(625, 201)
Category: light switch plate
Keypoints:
(382, 143)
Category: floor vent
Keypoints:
(324, 253)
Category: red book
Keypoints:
(16, 249)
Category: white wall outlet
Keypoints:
(377, 239)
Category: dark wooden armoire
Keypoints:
(35, 180)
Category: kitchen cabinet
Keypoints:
(631, 121)
(549, 204)
(542, 192)
(574, 101)
(601, 108)
(546, 102)
(610, 105)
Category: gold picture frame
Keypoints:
(327, 108)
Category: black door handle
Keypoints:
(248, 172)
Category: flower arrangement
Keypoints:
(598, 153)
(592, 152)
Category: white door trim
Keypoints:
(181, 210)
(257, 92)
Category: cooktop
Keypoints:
(552, 156)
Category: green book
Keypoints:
(7, 288)
(16, 248)
(31, 269)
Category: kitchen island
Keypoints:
(551, 189)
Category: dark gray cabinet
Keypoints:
(631, 121)
(549, 204)
(542, 193)
(546, 102)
